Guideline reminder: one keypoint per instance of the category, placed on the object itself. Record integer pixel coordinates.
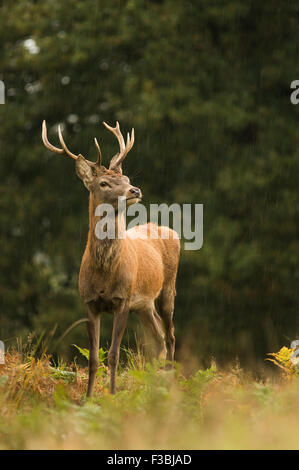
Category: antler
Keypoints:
(124, 149)
(99, 160)
(64, 147)
(115, 163)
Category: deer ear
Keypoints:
(84, 171)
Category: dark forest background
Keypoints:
(206, 85)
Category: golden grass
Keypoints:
(41, 407)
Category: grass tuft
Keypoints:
(41, 406)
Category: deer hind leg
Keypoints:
(93, 330)
(166, 308)
(153, 326)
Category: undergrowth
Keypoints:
(42, 406)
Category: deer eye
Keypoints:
(103, 183)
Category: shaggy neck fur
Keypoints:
(106, 252)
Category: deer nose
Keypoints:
(136, 192)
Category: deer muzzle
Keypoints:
(134, 195)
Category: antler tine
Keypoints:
(99, 160)
(124, 149)
(46, 142)
(130, 140)
(129, 145)
(56, 149)
(67, 151)
(116, 131)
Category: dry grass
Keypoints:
(41, 408)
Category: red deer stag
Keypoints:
(131, 272)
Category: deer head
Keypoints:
(106, 185)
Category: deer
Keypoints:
(132, 272)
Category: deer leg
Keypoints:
(119, 325)
(153, 326)
(93, 330)
(166, 309)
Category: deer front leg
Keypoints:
(119, 325)
(93, 330)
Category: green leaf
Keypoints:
(85, 352)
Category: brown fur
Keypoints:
(124, 274)
(131, 274)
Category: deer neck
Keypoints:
(105, 252)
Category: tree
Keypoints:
(206, 86)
